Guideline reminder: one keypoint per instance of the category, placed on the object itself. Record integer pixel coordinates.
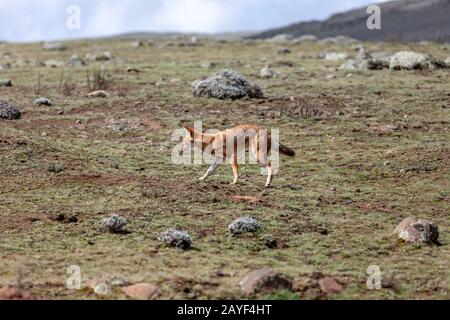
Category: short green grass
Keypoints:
(333, 206)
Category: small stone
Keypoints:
(142, 291)
(102, 288)
(98, 94)
(264, 281)
(99, 56)
(412, 230)
(331, 76)
(137, 44)
(43, 101)
(283, 51)
(5, 83)
(335, 56)
(14, 293)
(53, 63)
(209, 65)
(76, 61)
(53, 46)
(114, 224)
(267, 73)
(9, 111)
(244, 224)
(176, 238)
(330, 286)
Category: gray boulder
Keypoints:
(266, 73)
(114, 224)
(53, 46)
(5, 83)
(305, 38)
(409, 60)
(412, 230)
(244, 224)
(226, 84)
(264, 280)
(9, 111)
(43, 101)
(75, 61)
(176, 238)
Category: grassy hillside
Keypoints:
(330, 209)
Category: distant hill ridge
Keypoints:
(402, 20)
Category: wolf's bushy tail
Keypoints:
(286, 150)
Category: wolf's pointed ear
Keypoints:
(189, 131)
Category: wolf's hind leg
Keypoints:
(235, 166)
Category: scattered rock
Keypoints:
(283, 51)
(43, 101)
(142, 291)
(226, 84)
(334, 56)
(447, 61)
(75, 61)
(176, 238)
(56, 168)
(9, 111)
(98, 94)
(102, 288)
(60, 217)
(331, 77)
(267, 73)
(209, 65)
(14, 293)
(409, 60)
(339, 40)
(5, 83)
(117, 125)
(54, 46)
(137, 44)
(132, 69)
(99, 56)
(330, 286)
(53, 63)
(281, 38)
(264, 281)
(305, 38)
(5, 66)
(244, 224)
(114, 224)
(414, 230)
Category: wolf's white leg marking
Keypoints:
(210, 170)
(269, 176)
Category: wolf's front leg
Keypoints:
(210, 170)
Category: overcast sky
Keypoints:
(32, 20)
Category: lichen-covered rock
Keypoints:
(264, 281)
(305, 38)
(281, 38)
(284, 51)
(98, 94)
(75, 61)
(53, 46)
(409, 60)
(176, 238)
(114, 224)
(244, 224)
(334, 56)
(99, 56)
(9, 111)
(266, 73)
(5, 83)
(42, 101)
(414, 230)
(142, 291)
(226, 84)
